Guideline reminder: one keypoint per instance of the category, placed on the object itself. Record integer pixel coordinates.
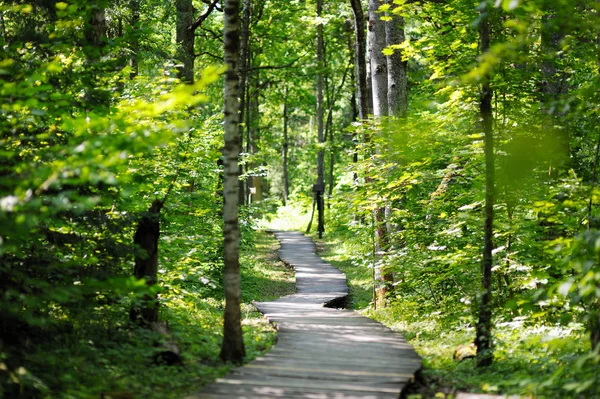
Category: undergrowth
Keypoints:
(531, 359)
(90, 359)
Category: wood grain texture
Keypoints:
(321, 352)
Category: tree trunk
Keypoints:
(134, 6)
(483, 340)
(233, 344)
(360, 72)
(286, 182)
(379, 83)
(185, 40)
(396, 69)
(254, 135)
(244, 63)
(331, 177)
(146, 263)
(360, 60)
(319, 188)
(377, 40)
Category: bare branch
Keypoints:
(288, 65)
(210, 55)
(203, 16)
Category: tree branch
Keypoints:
(203, 16)
(210, 55)
(213, 33)
(288, 65)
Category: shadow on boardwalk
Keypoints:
(321, 352)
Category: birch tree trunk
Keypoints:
(378, 61)
(396, 69)
(319, 188)
(483, 340)
(233, 344)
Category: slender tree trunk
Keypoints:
(319, 188)
(355, 116)
(233, 344)
(379, 82)
(185, 40)
(483, 340)
(286, 182)
(312, 216)
(244, 64)
(254, 103)
(146, 263)
(331, 177)
(360, 60)
(134, 6)
(247, 123)
(360, 71)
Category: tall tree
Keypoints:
(134, 6)
(185, 31)
(285, 148)
(233, 344)
(379, 84)
(360, 60)
(483, 340)
(244, 66)
(319, 187)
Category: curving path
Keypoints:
(321, 352)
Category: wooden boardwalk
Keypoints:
(321, 352)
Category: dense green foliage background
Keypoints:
(85, 148)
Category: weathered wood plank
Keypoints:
(321, 353)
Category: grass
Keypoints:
(92, 358)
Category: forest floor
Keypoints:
(529, 360)
(89, 359)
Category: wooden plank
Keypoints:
(266, 391)
(321, 353)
